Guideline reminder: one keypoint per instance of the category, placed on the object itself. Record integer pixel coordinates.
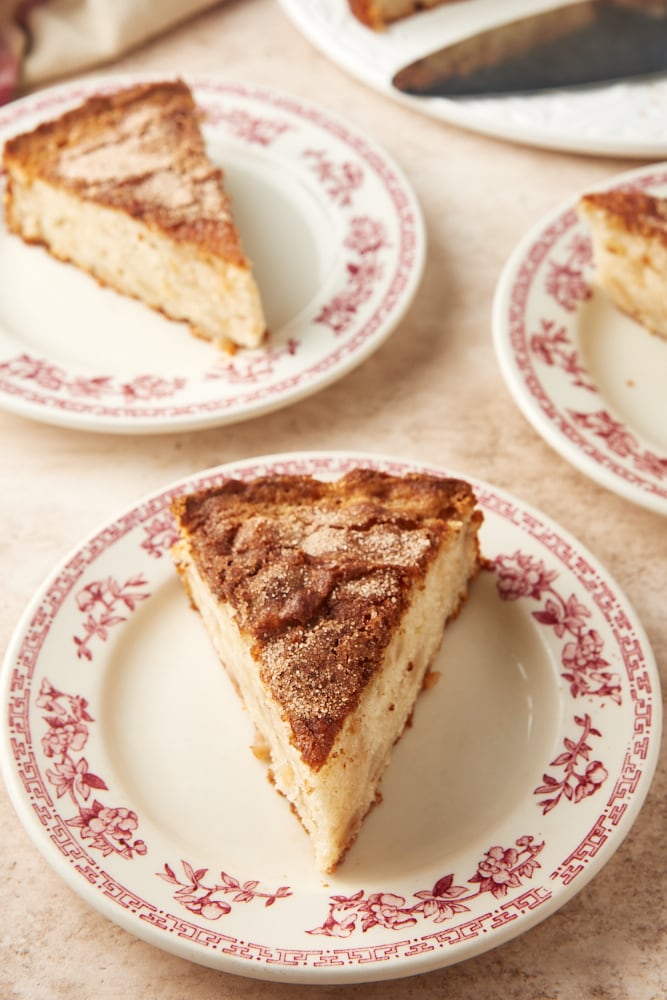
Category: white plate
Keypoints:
(589, 379)
(127, 757)
(337, 241)
(623, 119)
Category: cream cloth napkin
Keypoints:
(41, 40)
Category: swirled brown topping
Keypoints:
(139, 149)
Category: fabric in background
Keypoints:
(41, 40)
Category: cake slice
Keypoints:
(378, 14)
(629, 236)
(326, 603)
(122, 187)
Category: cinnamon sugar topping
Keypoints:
(140, 150)
(637, 211)
(319, 575)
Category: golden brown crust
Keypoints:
(319, 575)
(365, 11)
(634, 211)
(138, 150)
(374, 14)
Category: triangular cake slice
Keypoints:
(327, 603)
(122, 187)
(629, 235)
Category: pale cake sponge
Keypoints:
(629, 236)
(326, 603)
(122, 187)
(379, 13)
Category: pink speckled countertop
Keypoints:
(433, 392)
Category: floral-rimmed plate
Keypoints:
(337, 242)
(620, 119)
(588, 378)
(126, 754)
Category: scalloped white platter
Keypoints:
(127, 757)
(588, 378)
(620, 119)
(337, 242)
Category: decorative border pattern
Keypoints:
(253, 384)
(105, 603)
(109, 829)
(523, 576)
(501, 873)
(212, 901)
(559, 263)
(574, 785)
(500, 870)
(43, 375)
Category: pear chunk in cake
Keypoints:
(629, 236)
(122, 187)
(326, 602)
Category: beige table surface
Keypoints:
(433, 392)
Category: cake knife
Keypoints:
(573, 45)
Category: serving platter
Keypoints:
(623, 119)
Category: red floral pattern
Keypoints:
(566, 280)
(560, 260)
(108, 829)
(620, 441)
(521, 575)
(102, 600)
(352, 178)
(366, 238)
(553, 347)
(500, 870)
(250, 128)
(159, 535)
(339, 180)
(503, 890)
(252, 367)
(51, 378)
(212, 900)
(574, 785)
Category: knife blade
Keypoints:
(591, 42)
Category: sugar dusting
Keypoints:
(321, 582)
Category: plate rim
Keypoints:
(513, 378)
(309, 974)
(455, 112)
(208, 414)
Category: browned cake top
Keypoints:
(368, 12)
(377, 14)
(634, 211)
(138, 149)
(319, 574)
